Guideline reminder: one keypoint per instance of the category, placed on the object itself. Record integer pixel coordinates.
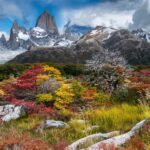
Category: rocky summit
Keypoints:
(45, 33)
(46, 22)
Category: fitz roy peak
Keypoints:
(44, 34)
(46, 22)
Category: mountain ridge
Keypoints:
(101, 42)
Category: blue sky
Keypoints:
(116, 13)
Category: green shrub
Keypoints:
(78, 89)
(125, 94)
(44, 97)
(102, 98)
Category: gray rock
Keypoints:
(11, 112)
(46, 22)
(53, 124)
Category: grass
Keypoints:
(120, 117)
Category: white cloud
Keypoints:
(118, 14)
(10, 9)
(141, 17)
(18, 9)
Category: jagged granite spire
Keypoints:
(14, 42)
(47, 22)
(3, 39)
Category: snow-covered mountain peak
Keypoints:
(23, 36)
(74, 32)
(102, 29)
(99, 34)
(38, 32)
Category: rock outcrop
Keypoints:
(11, 112)
(3, 41)
(111, 138)
(117, 141)
(18, 37)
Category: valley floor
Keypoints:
(46, 108)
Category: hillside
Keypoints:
(122, 43)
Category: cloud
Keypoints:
(141, 17)
(10, 10)
(17, 9)
(118, 14)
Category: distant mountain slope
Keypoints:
(142, 34)
(74, 32)
(133, 49)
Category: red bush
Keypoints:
(60, 146)
(27, 81)
(138, 143)
(104, 146)
(30, 105)
(43, 109)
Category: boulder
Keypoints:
(117, 141)
(94, 137)
(52, 124)
(11, 112)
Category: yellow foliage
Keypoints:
(53, 72)
(64, 96)
(2, 93)
(41, 78)
(44, 97)
(49, 72)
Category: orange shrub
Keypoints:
(88, 94)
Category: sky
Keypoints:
(129, 14)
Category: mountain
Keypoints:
(142, 34)
(74, 32)
(97, 35)
(3, 41)
(136, 51)
(44, 34)
(101, 41)
(18, 37)
(78, 44)
(46, 22)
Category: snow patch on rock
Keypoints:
(23, 36)
(37, 32)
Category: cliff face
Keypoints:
(3, 41)
(46, 22)
(44, 33)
